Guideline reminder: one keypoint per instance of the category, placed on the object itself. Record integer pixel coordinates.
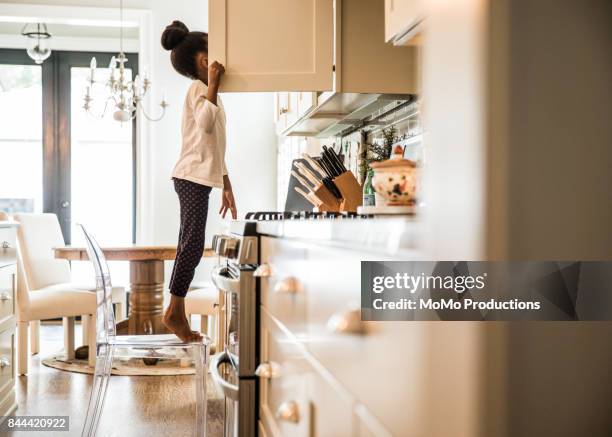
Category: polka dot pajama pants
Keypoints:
(193, 199)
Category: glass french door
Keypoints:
(54, 157)
(21, 145)
(97, 184)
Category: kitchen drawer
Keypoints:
(7, 358)
(7, 291)
(367, 358)
(313, 405)
(282, 292)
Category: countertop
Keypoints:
(8, 224)
(392, 235)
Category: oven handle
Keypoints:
(223, 282)
(229, 390)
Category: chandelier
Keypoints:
(125, 95)
(38, 51)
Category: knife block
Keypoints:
(328, 200)
(352, 196)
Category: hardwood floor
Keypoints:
(135, 405)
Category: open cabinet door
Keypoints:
(273, 45)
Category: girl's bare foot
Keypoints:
(176, 321)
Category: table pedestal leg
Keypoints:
(146, 298)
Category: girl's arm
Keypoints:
(215, 70)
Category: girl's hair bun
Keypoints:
(173, 35)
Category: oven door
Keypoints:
(240, 397)
(240, 310)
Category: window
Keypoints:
(57, 158)
(21, 153)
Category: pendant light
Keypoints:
(38, 51)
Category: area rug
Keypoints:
(127, 367)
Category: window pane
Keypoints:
(101, 170)
(21, 153)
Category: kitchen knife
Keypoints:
(337, 171)
(327, 181)
(316, 167)
(337, 160)
(325, 166)
(301, 180)
(307, 174)
(306, 196)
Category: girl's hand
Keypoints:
(228, 203)
(215, 71)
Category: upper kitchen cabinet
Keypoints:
(308, 45)
(366, 63)
(402, 21)
(273, 45)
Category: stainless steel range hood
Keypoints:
(336, 112)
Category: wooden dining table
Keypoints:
(146, 282)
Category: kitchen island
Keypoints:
(324, 371)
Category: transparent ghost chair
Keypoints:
(110, 346)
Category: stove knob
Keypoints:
(215, 241)
(227, 246)
(232, 248)
(220, 245)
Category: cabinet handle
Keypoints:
(346, 322)
(5, 245)
(282, 111)
(4, 362)
(288, 412)
(288, 285)
(5, 296)
(263, 271)
(268, 370)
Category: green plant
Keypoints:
(381, 152)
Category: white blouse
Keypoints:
(202, 158)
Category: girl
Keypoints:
(201, 165)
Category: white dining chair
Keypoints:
(203, 301)
(110, 346)
(45, 290)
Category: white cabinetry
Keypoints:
(272, 45)
(307, 45)
(402, 21)
(8, 273)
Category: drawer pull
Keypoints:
(5, 296)
(4, 362)
(346, 322)
(5, 245)
(268, 370)
(263, 271)
(288, 285)
(288, 412)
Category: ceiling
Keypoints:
(67, 30)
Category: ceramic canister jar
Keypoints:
(396, 181)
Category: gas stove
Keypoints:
(304, 215)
